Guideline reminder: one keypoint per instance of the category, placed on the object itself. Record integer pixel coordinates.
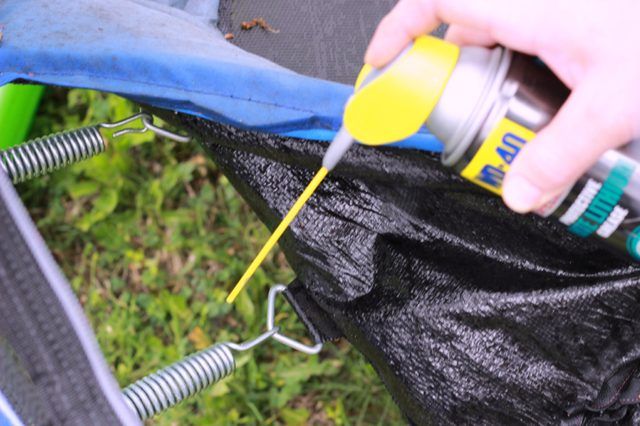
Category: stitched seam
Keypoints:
(164, 86)
(618, 391)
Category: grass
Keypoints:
(152, 237)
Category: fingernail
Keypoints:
(520, 194)
(367, 55)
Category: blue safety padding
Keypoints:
(169, 54)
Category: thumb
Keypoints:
(590, 122)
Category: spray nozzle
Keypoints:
(396, 102)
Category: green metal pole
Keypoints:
(18, 105)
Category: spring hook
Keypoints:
(147, 121)
(271, 318)
(44, 155)
(173, 384)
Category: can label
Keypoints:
(602, 202)
(494, 157)
(600, 213)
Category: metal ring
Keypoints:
(148, 122)
(271, 314)
(241, 347)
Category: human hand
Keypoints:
(591, 45)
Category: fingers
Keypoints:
(408, 20)
(588, 124)
(516, 24)
(464, 36)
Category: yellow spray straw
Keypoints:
(341, 144)
(271, 242)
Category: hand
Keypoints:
(591, 45)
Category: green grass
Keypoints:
(152, 237)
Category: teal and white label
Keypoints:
(603, 215)
(604, 203)
(633, 243)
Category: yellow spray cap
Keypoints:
(394, 105)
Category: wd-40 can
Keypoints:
(485, 105)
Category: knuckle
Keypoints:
(610, 120)
(551, 168)
(593, 115)
(543, 164)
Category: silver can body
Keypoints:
(494, 103)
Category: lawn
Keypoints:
(152, 237)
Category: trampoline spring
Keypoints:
(175, 383)
(44, 155)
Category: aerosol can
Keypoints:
(485, 105)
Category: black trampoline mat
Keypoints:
(324, 39)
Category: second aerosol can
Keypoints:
(485, 105)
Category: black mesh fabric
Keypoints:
(471, 314)
(46, 372)
(324, 39)
(18, 388)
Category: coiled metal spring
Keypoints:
(173, 384)
(44, 155)
(170, 385)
